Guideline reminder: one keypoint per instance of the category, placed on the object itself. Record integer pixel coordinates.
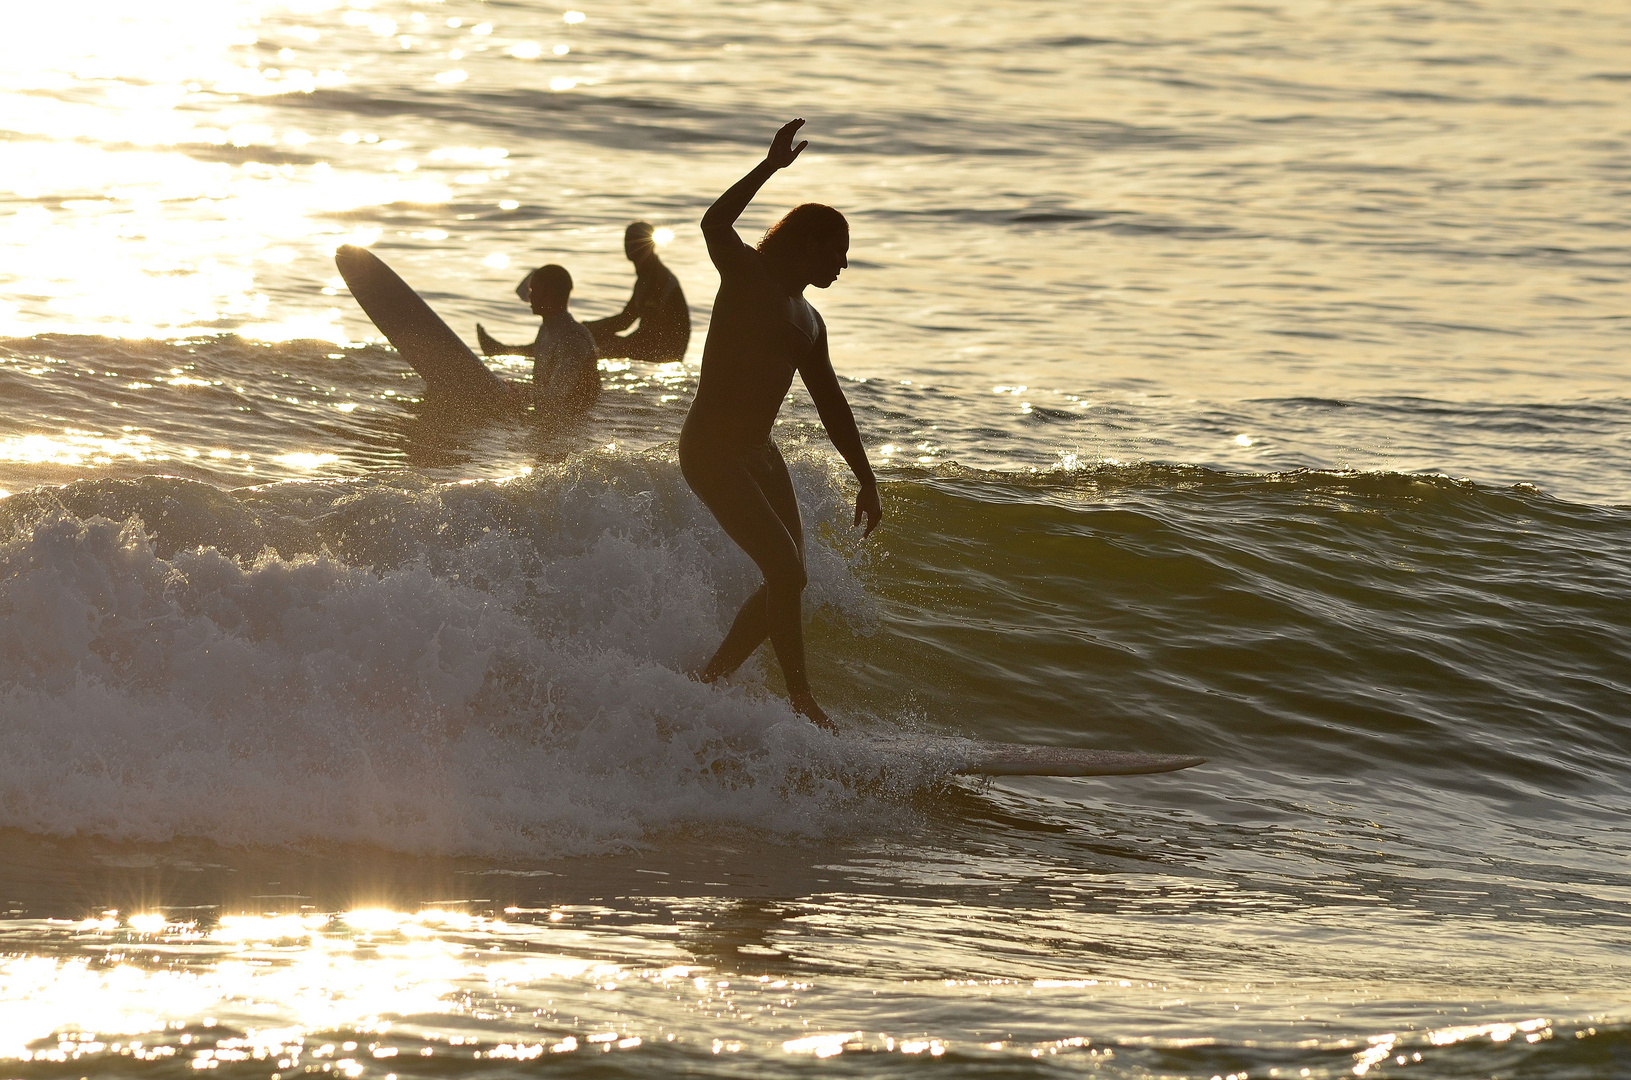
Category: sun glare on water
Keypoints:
(261, 986)
(153, 185)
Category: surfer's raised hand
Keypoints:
(867, 503)
(718, 222)
(782, 151)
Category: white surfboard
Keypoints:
(976, 758)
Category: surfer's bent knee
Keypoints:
(792, 579)
(727, 481)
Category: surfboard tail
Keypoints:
(456, 380)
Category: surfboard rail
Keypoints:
(980, 758)
(1025, 759)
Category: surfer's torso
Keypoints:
(659, 303)
(565, 374)
(758, 338)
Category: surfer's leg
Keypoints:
(750, 627)
(787, 622)
(607, 343)
(643, 344)
(757, 509)
(752, 623)
(649, 345)
(491, 346)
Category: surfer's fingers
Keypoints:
(872, 514)
(782, 151)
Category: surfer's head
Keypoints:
(549, 288)
(639, 242)
(811, 242)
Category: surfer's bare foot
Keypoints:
(806, 707)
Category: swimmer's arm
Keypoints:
(719, 223)
(833, 408)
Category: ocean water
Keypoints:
(1245, 380)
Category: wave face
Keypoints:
(490, 668)
(1361, 622)
(498, 667)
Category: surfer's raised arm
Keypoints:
(833, 408)
(719, 223)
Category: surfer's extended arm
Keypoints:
(616, 323)
(719, 223)
(491, 346)
(624, 319)
(833, 408)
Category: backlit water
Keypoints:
(1246, 380)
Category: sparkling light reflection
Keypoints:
(152, 186)
(315, 972)
(349, 992)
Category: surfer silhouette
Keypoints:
(458, 386)
(762, 331)
(657, 304)
(565, 376)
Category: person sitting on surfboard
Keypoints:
(565, 375)
(658, 304)
(763, 330)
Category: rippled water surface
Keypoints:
(1247, 381)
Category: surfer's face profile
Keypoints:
(825, 259)
(550, 290)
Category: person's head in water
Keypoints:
(639, 241)
(811, 241)
(549, 288)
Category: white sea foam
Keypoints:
(492, 668)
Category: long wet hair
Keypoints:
(801, 227)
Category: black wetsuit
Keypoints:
(665, 319)
(758, 338)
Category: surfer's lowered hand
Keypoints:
(867, 504)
